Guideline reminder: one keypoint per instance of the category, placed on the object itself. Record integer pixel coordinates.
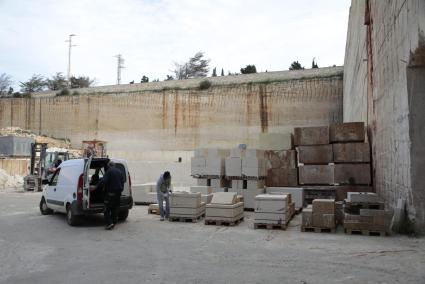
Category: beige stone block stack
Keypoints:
(224, 209)
(208, 167)
(365, 214)
(273, 211)
(320, 217)
(297, 194)
(186, 206)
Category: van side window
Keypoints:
(55, 177)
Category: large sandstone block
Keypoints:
(307, 218)
(281, 159)
(347, 132)
(218, 183)
(306, 136)
(185, 199)
(249, 196)
(271, 203)
(224, 198)
(320, 154)
(282, 177)
(233, 167)
(202, 182)
(351, 153)
(316, 174)
(218, 211)
(237, 153)
(201, 189)
(297, 194)
(363, 197)
(201, 152)
(197, 166)
(324, 206)
(253, 167)
(214, 166)
(342, 190)
(207, 198)
(254, 184)
(275, 141)
(237, 184)
(352, 174)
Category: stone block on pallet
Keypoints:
(218, 183)
(202, 182)
(316, 174)
(324, 206)
(282, 177)
(342, 190)
(297, 194)
(185, 199)
(224, 198)
(237, 153)
(271, 203)
(307, 218)
(249, 196)
(306, 136)
(281, 218)
(323, 220)
(352, 174)
(319, 154)
(281, 159)
(363, 197)
(214, 210)
(233, 167)
(347, 132)
(214, 166)
(187, 211)
(254, 184)
(201, 189)
(275, 141)
(351, 152)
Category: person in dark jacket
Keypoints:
(113, 185)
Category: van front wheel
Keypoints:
(123, 214)
(43, 207)
(71, 218)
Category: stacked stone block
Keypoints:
(273, 211)
(186, 206)
(224, 209)
(320, 217)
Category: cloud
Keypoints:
(151, 35)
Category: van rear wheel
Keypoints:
(43, 207)
(71, 218)
(123, 214)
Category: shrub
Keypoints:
(204, 85)
(64, 92)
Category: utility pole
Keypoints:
(120, 65)
(69, 57)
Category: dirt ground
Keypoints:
(44, 249)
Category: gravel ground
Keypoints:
(44, 249)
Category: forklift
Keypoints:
(41, 161)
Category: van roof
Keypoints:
(73, 162)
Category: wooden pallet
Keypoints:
(185, 219)
(365, 232)
(270, 226)
(223, 223)
(317, 230)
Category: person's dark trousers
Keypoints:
(112, 203)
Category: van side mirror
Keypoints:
(45, 181)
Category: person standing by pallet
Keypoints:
(113, 184)
(163, 192)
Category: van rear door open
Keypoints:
(86, 187)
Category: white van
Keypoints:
(72, 189)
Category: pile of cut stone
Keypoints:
(224, 209)
(273, 211)
(207, 166)
(185, 206)
(205, 191)
(365, 214)
(319, 217)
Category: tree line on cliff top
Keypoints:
(196, 67)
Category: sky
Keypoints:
(153, 34)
